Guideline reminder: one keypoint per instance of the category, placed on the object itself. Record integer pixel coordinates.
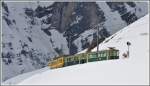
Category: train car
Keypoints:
(83, 58)
(75, 59)
(68, 60)
(111, 53)
(57, 63)
(92, 56)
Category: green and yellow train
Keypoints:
(67, 60)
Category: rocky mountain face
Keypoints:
(35, 32)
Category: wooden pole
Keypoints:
(97, 40)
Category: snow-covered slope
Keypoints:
(24, 76)
(127, 71)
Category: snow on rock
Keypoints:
(130, 71)
(87, 35)
(141, 9)
(111, 17)
(59, 41)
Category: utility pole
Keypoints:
(69, 44)
(97, 40)
(97, 27)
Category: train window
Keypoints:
(60, 60)
(72, 58)
(114, 53)
(105, 54)
(76, 58)
(91, 55)
(53, 63)
(65, 60)
(57, 60)
(101, 54)
(117, 53)
(82, 57)
(95, 55)
(69, 59)
(110, 53)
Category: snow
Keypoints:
(17, 34)
(111, 26)
(130, 71)
(19, 78)
(85, 35)
(46, 4)
(141, 9)
(77, 20)
(56, 37)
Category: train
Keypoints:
(68, 60)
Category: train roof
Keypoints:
(108, 48)
(60, 56)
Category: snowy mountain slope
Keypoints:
(35, 32)
(24, 76)
(119, 41)
(25, 46)
(124, 71)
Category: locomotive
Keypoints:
(68, 60)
